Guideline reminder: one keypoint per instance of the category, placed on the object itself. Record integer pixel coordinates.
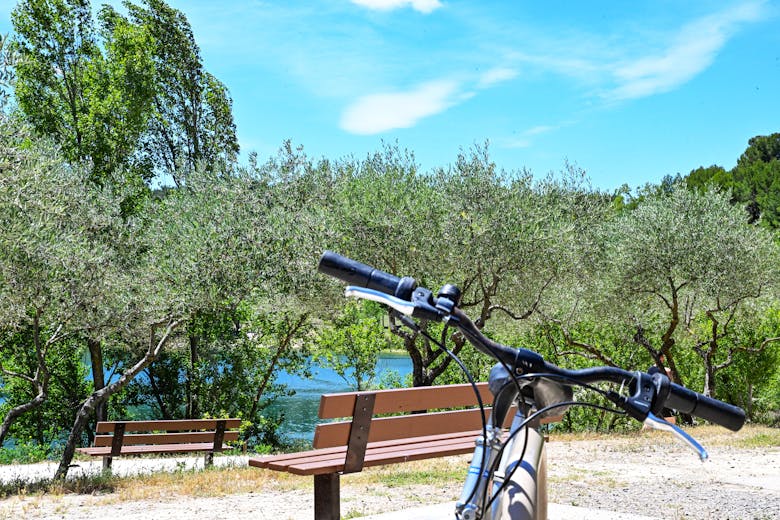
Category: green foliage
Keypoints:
(351, 346)
(40, 434)
(754, 183)
(754, 381)
(192, 124)
(89, 88)
(23, 452)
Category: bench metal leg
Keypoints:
(107, 463)
(327, 502)
(208, 460)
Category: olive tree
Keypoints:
(386, 214)
(204, 248)
(505, 240)
(682, 266)
(59, 264)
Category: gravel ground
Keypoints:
(666, 479)
(648, 475)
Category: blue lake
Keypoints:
(300, 410)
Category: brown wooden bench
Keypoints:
(117, 438)
(366, 440)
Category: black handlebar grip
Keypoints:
(718, 412)
(355, 273)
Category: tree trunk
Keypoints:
(98, 376)
(17, 411)
(709, 377)
(193, 410)
(99, 397)
(91, 405)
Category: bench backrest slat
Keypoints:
(165, 438)
(333, 434)
(397, 400)
(181, 425)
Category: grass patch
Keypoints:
(770, 439)
(84, 485)
(209, 482)
(750, 436)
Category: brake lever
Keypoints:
(402, 306)
(657, 423)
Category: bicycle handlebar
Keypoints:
(663, 393)
(687, 401)
(362, 275)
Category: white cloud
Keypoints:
(692, 50)
(524, 139)
(496, 75)
(423, 6)
(378, 113)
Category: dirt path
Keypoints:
(645, 475)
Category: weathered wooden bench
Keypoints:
(367, 440)
(117, 438)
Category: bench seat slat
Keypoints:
(379, 459)
(258, 461)
(377, 455)
(157, 448)
(330, 460)
(164, 438)
(331, 454)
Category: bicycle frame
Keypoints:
(522, 460)
(525, 498)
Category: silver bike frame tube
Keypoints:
(525, 497)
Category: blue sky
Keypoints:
(627, 91)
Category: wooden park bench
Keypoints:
(367, 440)
(117, 438)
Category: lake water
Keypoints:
(300, 410)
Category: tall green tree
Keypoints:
(192, 122)
(761, 148)
(757, 188)
(754, 182)
(89, 87)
